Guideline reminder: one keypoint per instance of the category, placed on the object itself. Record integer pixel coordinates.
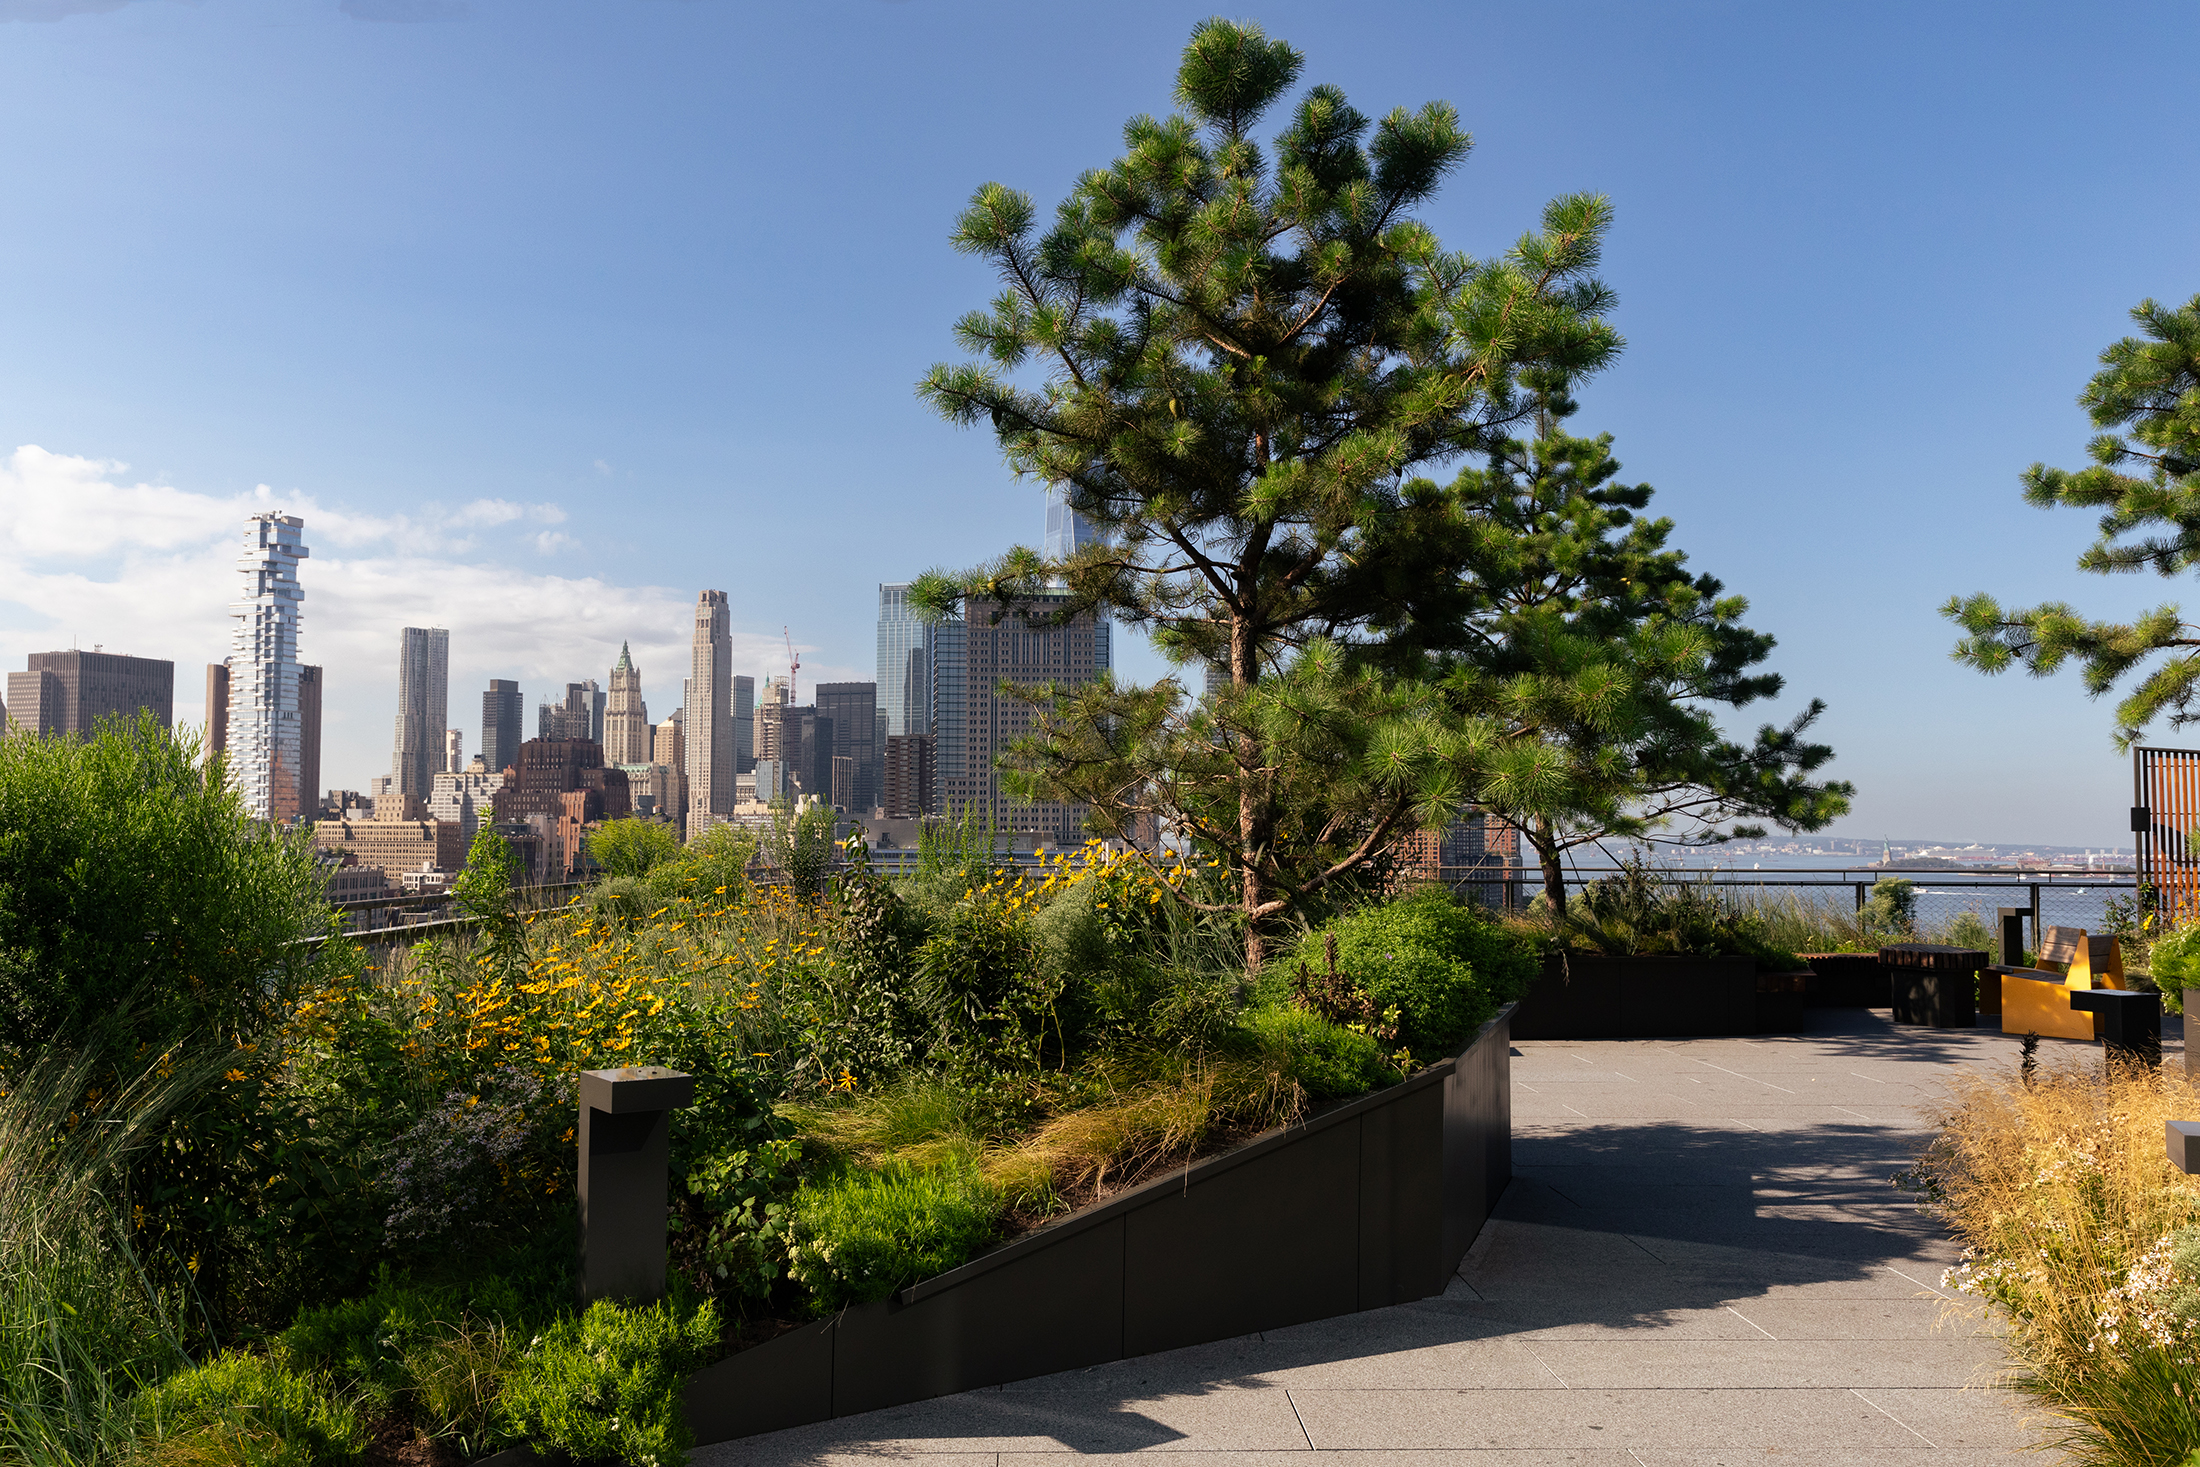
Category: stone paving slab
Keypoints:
(1701, 1261)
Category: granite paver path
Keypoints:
(1700, 1260)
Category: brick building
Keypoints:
(559, 787)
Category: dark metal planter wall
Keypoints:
(1584, 996)
(1370, 1204)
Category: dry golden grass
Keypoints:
(2057, 1190)
(1143, 1128)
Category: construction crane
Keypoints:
(794, 665)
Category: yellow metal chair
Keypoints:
(2037, 1000)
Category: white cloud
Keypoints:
(550, 542)
(149, 569)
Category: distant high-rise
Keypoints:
(1067, 531)
(89, 686)
(669, 753)
(217, 709)
(264, 723)
(711, 746)
(744, 724)
(592, 699)
(946, 676)
(903, 691)
(572, 719)
(626, 728)
(502, 726)
(310, 683)
(973, 721)
(671, 744)
(454, 752)
(907, 785)
(34, 703)
(853, 708)
(423, 702)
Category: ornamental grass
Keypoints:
(2084, 1242)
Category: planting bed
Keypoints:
(1371, 1203)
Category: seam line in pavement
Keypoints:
(1913, 1431)
(1301, 1420)
(1898, 1273)
(1737, 1074)
(1753, 1324)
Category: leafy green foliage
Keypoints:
(1329, 1059)
(861, 1234)
(606, 1386)
(735, 1213)
(1640, 912)
(240, 1407)
(138, 904)
(1892, 906)
(633, 847)
(1445, 967)
(2145, 478)
(2175, 963)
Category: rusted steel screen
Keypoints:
(2165, 797)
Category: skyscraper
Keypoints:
(310, 682)
(1067, 531)
(853, 708)
(264, 722)
(501, 724)
(573, 719)
(454, 753)
(86, 687)
(945, 684)
(626, 729)
(904, 694)
(423, 701)
(973, 721)
(217, 709)
(592, 699)
(744, 724)
(709, 723)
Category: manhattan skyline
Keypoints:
(537, 372)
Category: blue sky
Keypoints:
(547, 314)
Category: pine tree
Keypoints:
(1233, 366)
(2145, 477)
(1563, 581)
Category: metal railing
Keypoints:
(2050, 898)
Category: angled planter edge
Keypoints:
(1371, 1203)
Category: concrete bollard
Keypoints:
(2130, 1021)
(2184, 1145)
(622, 1187)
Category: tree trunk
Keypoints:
(1255, 820)
(1546, 856)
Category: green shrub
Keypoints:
(1444, 965)
(1329, 1060)
(248, 1408)
(2175, 964)
(138, 903)
(361, 1344)
(606, 1386)
(457, 1381)
(861, 1234)
(633, 847)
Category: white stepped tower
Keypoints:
(264, 729)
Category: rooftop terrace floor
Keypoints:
(1700, 1260)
